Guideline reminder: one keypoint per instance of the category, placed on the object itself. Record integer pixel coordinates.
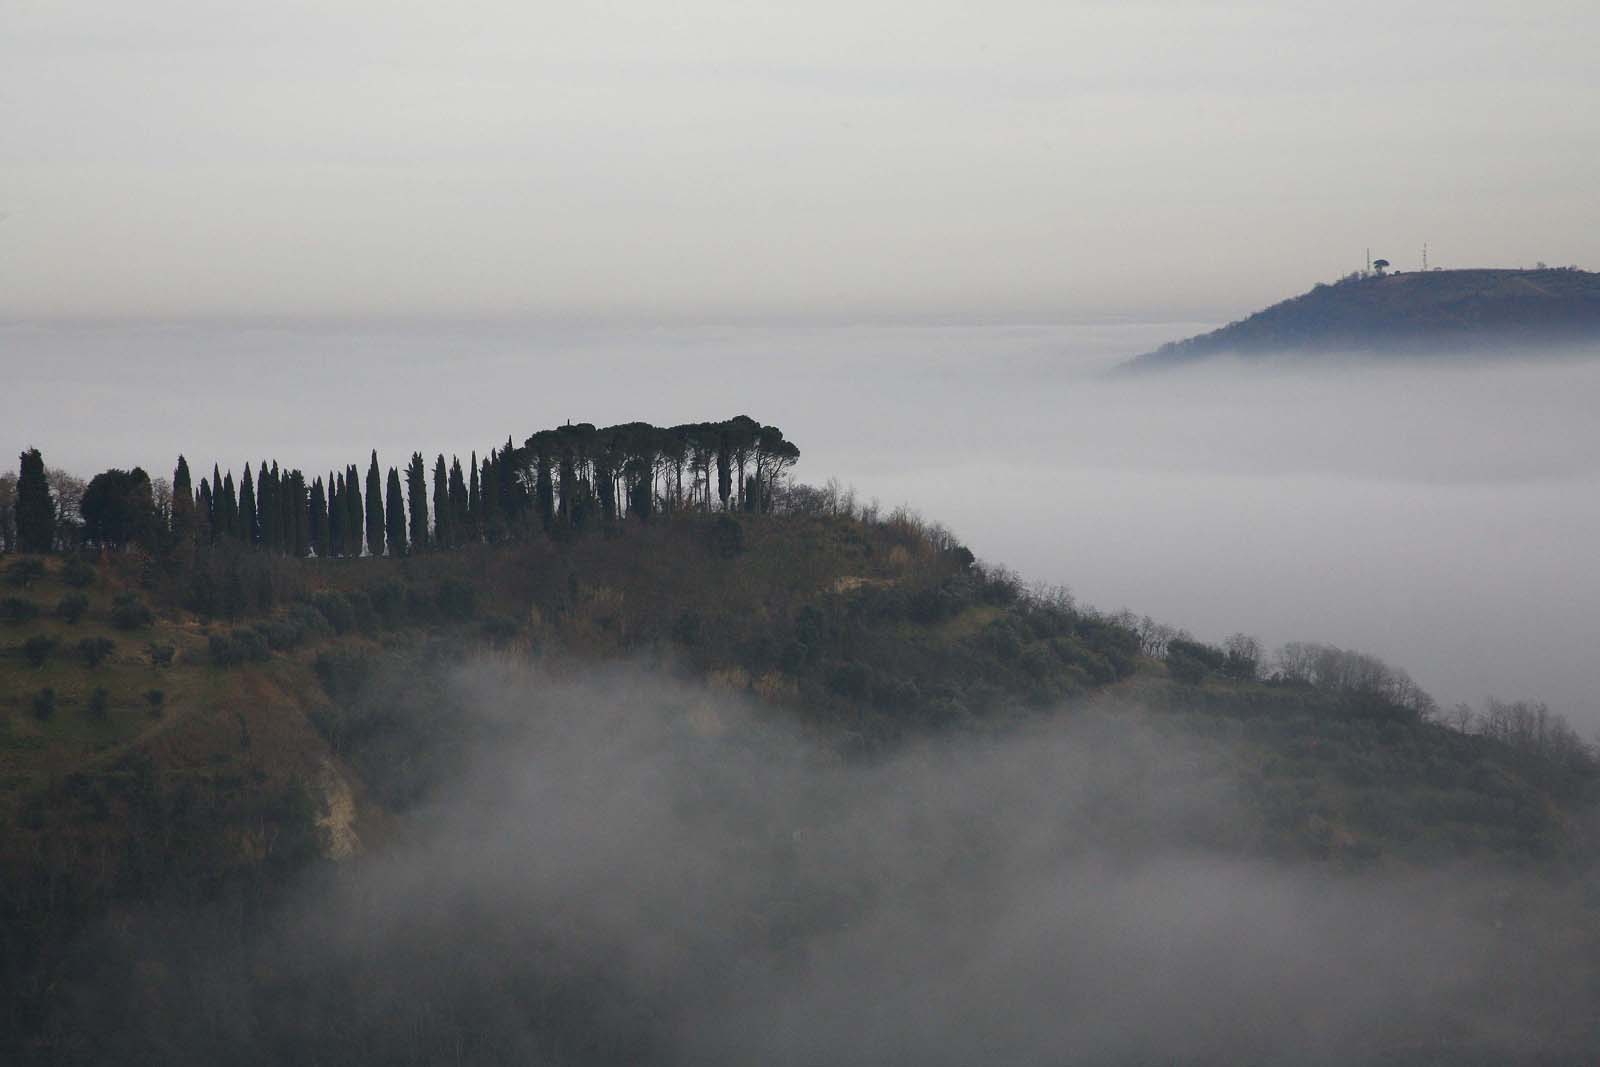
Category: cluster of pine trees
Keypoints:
(561, 478)
(577, 471)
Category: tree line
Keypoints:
(559, 479)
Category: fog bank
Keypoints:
(638, 870)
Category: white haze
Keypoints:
(633, 870)
(1443, 516)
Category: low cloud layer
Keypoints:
(638, 870)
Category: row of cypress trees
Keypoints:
(277, 510)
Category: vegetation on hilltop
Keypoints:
(1435, 311)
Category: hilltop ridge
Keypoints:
(1436, 311)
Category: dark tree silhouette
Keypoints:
(336, 511)
(489, 505)
(204, 510)
(458, 502)
(228, 507)
(724, 467)
(441, 503)
(118, 509)
(249, 527)
(318, 525)
(36, 512)
(375, 516)
(474, 503)
(417, 501)
(218, 517)
(542, 449)
(353, 512)
(395, 516)
(298, 500)
(182, 503)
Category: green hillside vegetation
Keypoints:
(196, 721)
(1445, 311)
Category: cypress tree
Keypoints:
(249, 524)
(417, 501)
(182, 502)
(510, 491)
(299, 500)
(203, 511)
(724, 470)
(395, 516)
(36, 511)
(352, 512)
(270, 507)
(441, 503)
(458, 501)
(543, 487)
(335, 515)
(216, 517)
(488, 490)
(284, 518)
(228, 508)
(474, 503)
(267, 504)
(374, 508)
(317, 526)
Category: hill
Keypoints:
(198, 761)
(1440, 311)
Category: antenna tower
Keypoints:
(1369, 261)
(1424, 257)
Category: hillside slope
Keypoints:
(316, 721)
(1411, 313)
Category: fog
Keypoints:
(632, 869)
(1440, 514)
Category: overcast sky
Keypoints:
(711, 159)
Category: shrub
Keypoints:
(223, 651)
(1209, 657)
(1185, 668)
(237, 647)
(336, 609)
(156, 698)
(499, 628)
(161, 655)
(128, 612)
(727, 537)
(16, 609)
(78, 573)
(388, 601)
(24, 572)
(37, 649)
(94, 650)
(343, 674)
(99, 701)
(279, 634)
(72, 607)
(455, 599)
(44, 703)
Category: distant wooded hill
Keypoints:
(1437, 311)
